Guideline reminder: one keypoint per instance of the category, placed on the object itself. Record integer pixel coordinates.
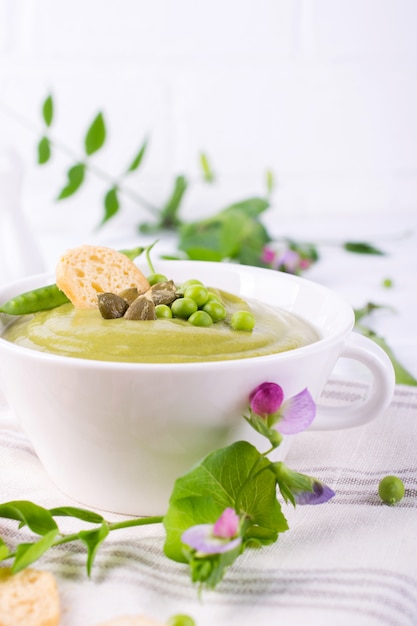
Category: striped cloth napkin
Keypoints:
(350, 561)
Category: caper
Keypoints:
(163, 292)
(141, 309)
(130, 294)
(111, 306)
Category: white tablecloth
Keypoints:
(350, 561)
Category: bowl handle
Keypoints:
(379, 395)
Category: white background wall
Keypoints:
(323, 92)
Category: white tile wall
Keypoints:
(323, 92)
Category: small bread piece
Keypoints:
(86, 271)
(137, 620)
(28, 598)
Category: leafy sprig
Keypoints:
(402, 375)
(237, 479)
(235, 232)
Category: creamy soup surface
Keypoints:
(85, 334)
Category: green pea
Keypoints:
(162, 311)
(183, 307)
(242, 320)
(153, 279)
(213, 296)
(200, 318)
(41, 299)
(391, 489)
(215, 309)
(189, 282)
(198, 293)
(180, 620)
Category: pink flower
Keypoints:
(222, 536)
(266, 399)
(290, 416)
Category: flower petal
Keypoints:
(227, 525)
(201, 538)
(297, 413)
(266, 398)
(321, 493)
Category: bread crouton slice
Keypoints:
(28, 598)
(84, 272)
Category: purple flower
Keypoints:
(296, 413)
(266, 399)
(287, 259)
(299, 488)
(222, 536)
(321, 493)
(268, 255)
(290, 416)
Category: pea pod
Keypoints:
(40, 299)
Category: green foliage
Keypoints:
(48, 110)
(93, 539)
(111, 204)
(38, 519)
(138, 158)
(208, 174)
(44, 150)
(96, 135)
(270, 182)
(28, 553)
(362, 247)
(402, 375)
(75, 178)
(237, 476)
(234, 233)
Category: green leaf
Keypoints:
(111, 204)
(75, 177)
(208, 173)
(237, 476)
(38, 519)
(4, 550)
(82, 514)
(367, 309)
(402, 375)
(169, 212)
(209, 572)
(252, 206)
(138, 158)
(133, 253)
(270, 182)
(48, 110)
(231, 234)
(361, 247)
(44, 150)
(93, 539)
(28, 553)
(96, 135)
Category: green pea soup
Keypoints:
(83, 333)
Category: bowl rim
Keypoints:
(44, 278)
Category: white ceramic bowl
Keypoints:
(116, 435)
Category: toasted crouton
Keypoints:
(84, 272)
(28, 598)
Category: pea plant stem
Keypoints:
(141, 521)
(97, 171)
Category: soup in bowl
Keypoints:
(117, 409)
